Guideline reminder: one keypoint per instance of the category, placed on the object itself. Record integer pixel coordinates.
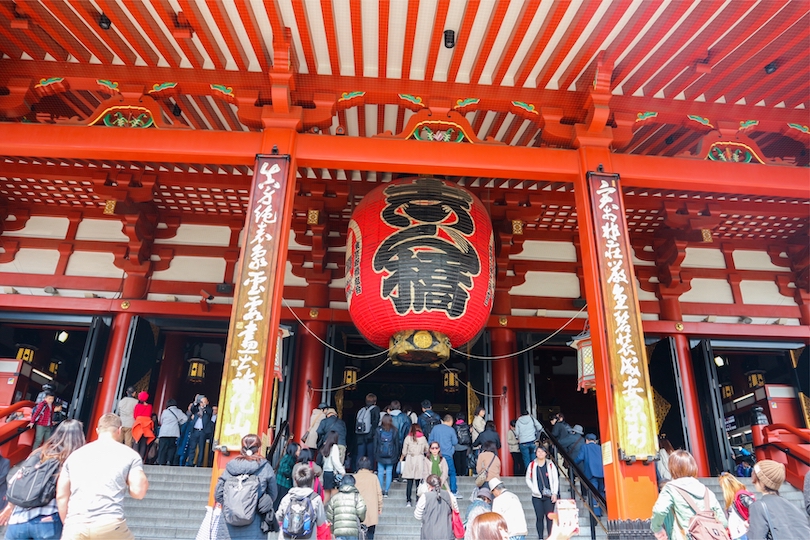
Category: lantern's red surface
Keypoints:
(420, 256)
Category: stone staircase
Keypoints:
(397, 521)
(174, 506)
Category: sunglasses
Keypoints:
(434, 447)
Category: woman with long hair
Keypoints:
(488, 526)
(43, 522)
(543, 478)
(737, 499)
(332, 465)
(285, 469)
(488, 461)
(413, 456)
(435, 510)
(251, 462)
(672, 512)
(386, 446)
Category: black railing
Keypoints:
(786, 449)
(586, 491)
(279, 445)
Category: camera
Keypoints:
(546, 492)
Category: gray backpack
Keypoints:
(240, 499)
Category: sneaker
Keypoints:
(408, 505)
(456, 495)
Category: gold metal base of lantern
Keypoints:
(419, 347)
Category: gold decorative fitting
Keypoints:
(679, 326)
(109, 208)
(419, 347)
(706, 235)
(503, 321)
(517, 226)
(313, 313)
(125, 304)
(312, 217)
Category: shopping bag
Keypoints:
(458, 525)
(210, 524)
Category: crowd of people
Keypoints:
(313, 495)
(175, 437)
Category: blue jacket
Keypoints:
(590, 456)
(446, 437)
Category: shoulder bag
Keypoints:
(482, 477)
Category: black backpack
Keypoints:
(34, 483)
(431, 421)
(386, 446)
(463, 434)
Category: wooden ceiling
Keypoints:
(705, 58)
(679, 67)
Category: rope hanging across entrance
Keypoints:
(527, 349)
(471, 356)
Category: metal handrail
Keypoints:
(786, 450)
(272, 454)
(588, 491)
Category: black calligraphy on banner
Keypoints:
(429, 261)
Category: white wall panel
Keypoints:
(764, 293)
(33, 261)
(709, 291)
(199, 235)
(84, 263)
(541, 250)
(754, 260)
(703, 258)
(552, 284)
(43, 227)
(104, 230)
(194, 269)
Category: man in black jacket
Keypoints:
(333, 423)
(201, 428)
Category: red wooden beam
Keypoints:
(386, 155)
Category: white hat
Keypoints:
(495, 483)
(578, 429)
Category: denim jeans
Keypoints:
(366, 449)
(527, 450)
(36, 529)
(451, 471)
(385, 479)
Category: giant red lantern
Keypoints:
(420, 268)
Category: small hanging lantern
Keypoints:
(26, 352)
(53, 367)
(727, 390)
(350, 377)
(756, 378)
(196, 370)
(586, 379)
(450, 381)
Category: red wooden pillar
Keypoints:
(631, 489)
(106, 398)
(310, 375)
(671, 311)
(171, 371)
(503, 381)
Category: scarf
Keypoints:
(435, 463)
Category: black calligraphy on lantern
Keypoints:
(429, 261)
